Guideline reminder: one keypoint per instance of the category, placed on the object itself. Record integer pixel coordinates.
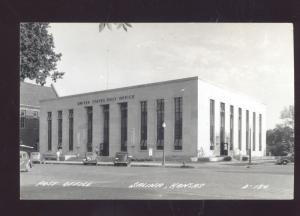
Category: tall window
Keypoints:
(160, 120)
(123, 107)
(90, 128)
(106, 130)
(222, 123)
(143, 125)
(178, 123)
(231, 126)
(254, 130)
(240, 128)
(260, 122)
(59, 119)
(212, 124)
(71, 123)
(49, 118)
(247, 130)
(22, 119)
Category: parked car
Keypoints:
(90, 158)
(122, 158)
(49, 156)
(25, 163)
(36, 157)
(285, 159)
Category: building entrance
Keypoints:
(224, 149)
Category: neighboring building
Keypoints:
(30, 94)
(200, 119)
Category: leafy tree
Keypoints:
(37, 57)
(280, 140)
(288, 116)
(118, 25)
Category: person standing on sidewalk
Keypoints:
(58, 154)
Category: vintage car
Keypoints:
(284, 160)
(122, 158)
(48, 156)
(25, 163)
(35, 157)
(90, 158)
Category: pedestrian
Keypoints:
(58, 154)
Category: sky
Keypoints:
(254, 59)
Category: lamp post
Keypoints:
(250, 147)
(163, 161)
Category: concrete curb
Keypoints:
(133, 164)
(179, 165)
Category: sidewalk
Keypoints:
(169, 164)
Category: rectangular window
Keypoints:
(59, 119)
(49, 118)
(160, 121)
(143, 125)
(123, 107)
(212, 124)
(178, 123)
(247, 130)
(222, 123)
(240, 128)
(231, 126)
(105, 149)
(71, 123)
(254, 130)
(89, 129)
(260, 138)
(22, 118)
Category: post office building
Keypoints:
(183, 118)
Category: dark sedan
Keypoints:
(90, 158)
(285, 159)
(122, 158)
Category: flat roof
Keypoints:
(127, 87)
(157, 83)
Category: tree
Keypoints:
(118, 25)
(38, 59)
(280, 140)
(288, 116)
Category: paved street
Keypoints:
(207, 181)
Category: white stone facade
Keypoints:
(195, 94)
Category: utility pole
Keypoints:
(107, 71)
(250, 147)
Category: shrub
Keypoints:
(227, 158)
(244, 158)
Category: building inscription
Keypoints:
(105, 100)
